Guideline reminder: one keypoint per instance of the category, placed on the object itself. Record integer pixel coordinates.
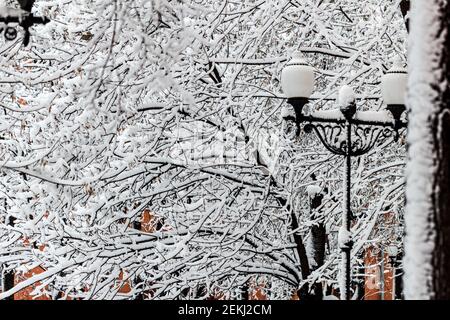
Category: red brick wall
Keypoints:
(373, 276)
(25, 294)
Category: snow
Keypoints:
(287, 111)
(346, 96)
(313, 190)
(344, 237)
(11, 12)
(328, 114)
(382, 116)
(374, 116)
(398, 65)
(425, 73)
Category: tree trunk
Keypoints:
(318, 239)
(405, 6)
(427, 245)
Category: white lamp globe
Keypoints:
(392, 251)
(297, 77)
(393, 84)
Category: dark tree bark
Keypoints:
(301, 251)
(304, 292)
(427, 245)
(318, 235)
(318, 241)
(8, 283)
(405, 6)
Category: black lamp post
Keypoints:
(346, 132)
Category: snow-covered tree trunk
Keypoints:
(427, 260)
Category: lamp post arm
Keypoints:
(361, 118)
(23, 19)
(20, 18)
(373, 119)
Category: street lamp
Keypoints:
(393, 88)
(297, 80)
(392, 251)
(345, 132)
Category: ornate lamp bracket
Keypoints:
(22, 18)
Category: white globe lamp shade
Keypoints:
(392, 251)
(297, 78)
(393, 84)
